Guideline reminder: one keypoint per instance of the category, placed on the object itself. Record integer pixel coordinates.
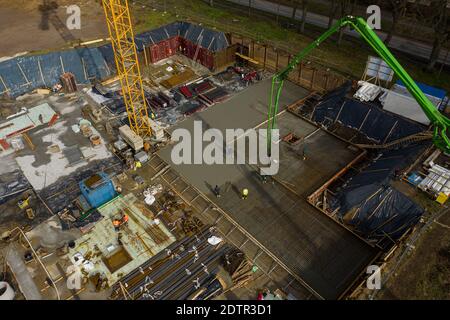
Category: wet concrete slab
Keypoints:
(245, 110)
(313, 246)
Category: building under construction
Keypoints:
(95, 207)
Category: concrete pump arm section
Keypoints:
(440, 123)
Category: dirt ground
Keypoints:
(23, 26)
(426, 274)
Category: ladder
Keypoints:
(422, 136)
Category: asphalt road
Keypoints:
(411, 47)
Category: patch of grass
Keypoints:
(425, 202)
(349, 58)
(434, 282)
(424, 274)
(147, 19)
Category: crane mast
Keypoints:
(120, 29)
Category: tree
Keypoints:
(346, 7)
(436, 16)
(278, 11)
(304, 13)
(398, 9)
(332, 13)
(440, 20)
(295, 4)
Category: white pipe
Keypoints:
(9, 293)
(39, 260)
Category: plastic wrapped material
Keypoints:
(367, 91)
(214, 241)
(437, 181)
(6, 292)
(371, 206)
(382, 212)
(367, 118)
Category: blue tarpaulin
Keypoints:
(24, 74)
(429, 90)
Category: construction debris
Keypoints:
(89, 188)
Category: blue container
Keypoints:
(98, 189)
(414, 178)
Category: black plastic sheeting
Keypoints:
(368, 118)
(383, 166)
(12, 184)
(384, 212)
(331, 103)
(381, 209)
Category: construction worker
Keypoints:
(116, 224)
(217, 191)
(130, 163)
(244, 193)
(125, 219)
(264, 178)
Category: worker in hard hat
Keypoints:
(244, 193)
(264, 178)
(217, 191)
(125, 219)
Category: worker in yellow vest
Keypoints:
(244, 193)
(137, 165)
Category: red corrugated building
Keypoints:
(207, 47)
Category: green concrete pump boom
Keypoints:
(439, 122)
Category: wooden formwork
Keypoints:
(306, 74)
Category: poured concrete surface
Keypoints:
(246, 110)
(323, 253)
(45, 165)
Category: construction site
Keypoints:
(94, 205)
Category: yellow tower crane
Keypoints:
(120, 29)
